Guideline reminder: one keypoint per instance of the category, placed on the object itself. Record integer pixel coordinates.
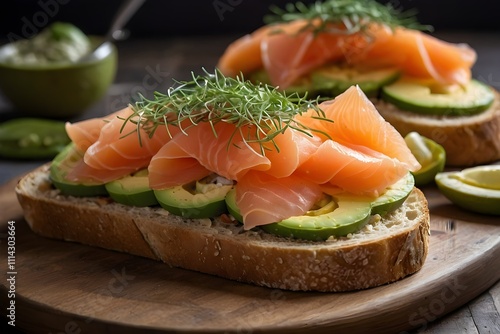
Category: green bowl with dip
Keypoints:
(54, 83)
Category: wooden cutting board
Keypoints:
(64, 287)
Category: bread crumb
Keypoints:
(205, 222)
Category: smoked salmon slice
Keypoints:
(287, 52)
(83, 173)
(361, 152)
(113, 147)
(85, 133)
(356, 122)
(264, 199)
(247, 46)
(418, 54)
(204, 147)
(230, 153)
(353, 169)
(125, 145)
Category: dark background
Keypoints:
(158, 18)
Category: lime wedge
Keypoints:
(429, 154)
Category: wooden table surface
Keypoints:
(148, 65)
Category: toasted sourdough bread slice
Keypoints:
(468, 140)
(384, 251)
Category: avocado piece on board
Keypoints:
(475, 189)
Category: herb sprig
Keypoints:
(355, 15)
(215, 98)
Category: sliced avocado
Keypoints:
(468, 196)
(132, 190)
(185, 201)
(334, 216)
(62, 164)
(394, 196)
(425, 97)
(232, 208)
(325, 205)
(351, 214)
(333, 80)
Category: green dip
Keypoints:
(59, 42)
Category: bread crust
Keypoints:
(90, 221)
(468, 140)
(384, 251)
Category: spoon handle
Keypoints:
(126, 11)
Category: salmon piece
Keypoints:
(356, 122)
(288, 57)
(418, 54)
(282, 49)
(166, 173)
(244, 55)
(288, 151)
(361, 152)
(119, 147)
(264, 199)
(294, 52)
(290, 53)
(199, 148)
(356, 170)
(175, 162)
(83, 173)
(85, 133)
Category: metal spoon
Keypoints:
(126, 11)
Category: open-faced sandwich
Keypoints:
(418, 82)
(238, 180)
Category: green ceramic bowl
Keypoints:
(57, 90)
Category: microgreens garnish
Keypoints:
(355, 15)
(215, 98)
